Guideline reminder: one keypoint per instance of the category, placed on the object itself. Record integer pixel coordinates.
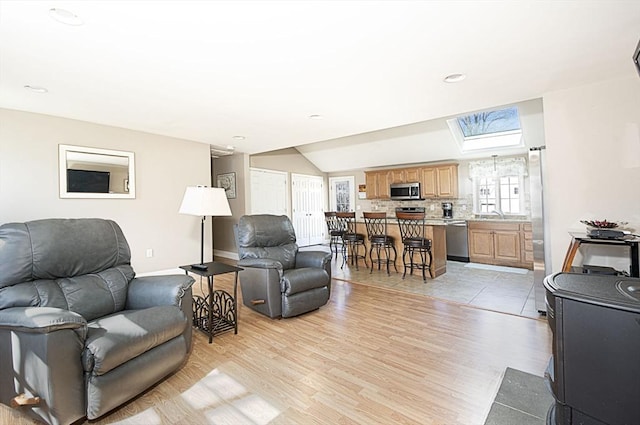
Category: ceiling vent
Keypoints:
(218, 151)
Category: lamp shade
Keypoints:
(205, 201)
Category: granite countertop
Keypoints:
(442, 222)
(427, 221)
(501, 220)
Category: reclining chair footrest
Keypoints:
(24, 400)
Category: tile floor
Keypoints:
(503, 291)
(522, 399)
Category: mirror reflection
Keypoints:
(96, 173)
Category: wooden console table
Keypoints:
(579, 238)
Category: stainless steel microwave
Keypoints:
(405, 191)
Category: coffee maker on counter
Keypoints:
(447, 210)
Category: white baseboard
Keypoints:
(161, 272)
(225, 254)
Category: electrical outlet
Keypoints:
(149, 253)
(464, 208)
(433, 207)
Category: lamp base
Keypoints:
(199, 266)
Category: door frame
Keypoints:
(316, 225)
(333, 192)
(287, 203)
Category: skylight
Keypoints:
(499, 128)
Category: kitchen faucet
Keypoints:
(499, 213)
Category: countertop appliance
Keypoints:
(457, 240)
(405, 191)
(594, 373)
(447, 210)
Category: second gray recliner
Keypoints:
(278, 280)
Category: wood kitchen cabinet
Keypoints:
(439, 181)
(396, 176)
(404, 175)
(499, 243)
(377, 184)
(412, 175)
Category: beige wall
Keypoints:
(164, 168)
(287, 160)
(593, 157)
(223, 237)
(290, 161)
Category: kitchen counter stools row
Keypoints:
(384, 249)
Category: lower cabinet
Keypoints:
(499, 243)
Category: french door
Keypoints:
(269, 191)
(307, 198)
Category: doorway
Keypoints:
(342, 193)
(308, 212)
(269, 194)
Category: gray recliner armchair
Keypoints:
(278, 279)
(79, 334)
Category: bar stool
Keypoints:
(412, 233)
(376, 223)
(335, 232)
(351, 241)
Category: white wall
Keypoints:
(164, 168)
(593, 158)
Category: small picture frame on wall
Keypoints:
(227, 181)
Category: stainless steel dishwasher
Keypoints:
(457, 240)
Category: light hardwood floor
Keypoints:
(370, 356)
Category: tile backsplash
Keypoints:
(462, 207)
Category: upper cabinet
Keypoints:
(436, 181)
(396, 176)
(412, 175)
(378, 184)
(404, 175)
(440, 181)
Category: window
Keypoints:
(510, 195)
(500, 194)
(499, 128)
(486, 194)
(498, 185)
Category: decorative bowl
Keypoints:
(600, 224)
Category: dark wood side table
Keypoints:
(217, 311)
(579, 238)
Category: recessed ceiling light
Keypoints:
(237, 138)
(454, 78)
(65, 17)
(315, 117)
(36, 89)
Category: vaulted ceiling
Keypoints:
(252, 73)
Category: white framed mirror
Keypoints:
(96, 173)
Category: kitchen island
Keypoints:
(434, 230)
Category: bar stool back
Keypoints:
(379, 239)
(335, 232)
(352, 241)
(415, 244)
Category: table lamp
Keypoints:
(203, 201)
